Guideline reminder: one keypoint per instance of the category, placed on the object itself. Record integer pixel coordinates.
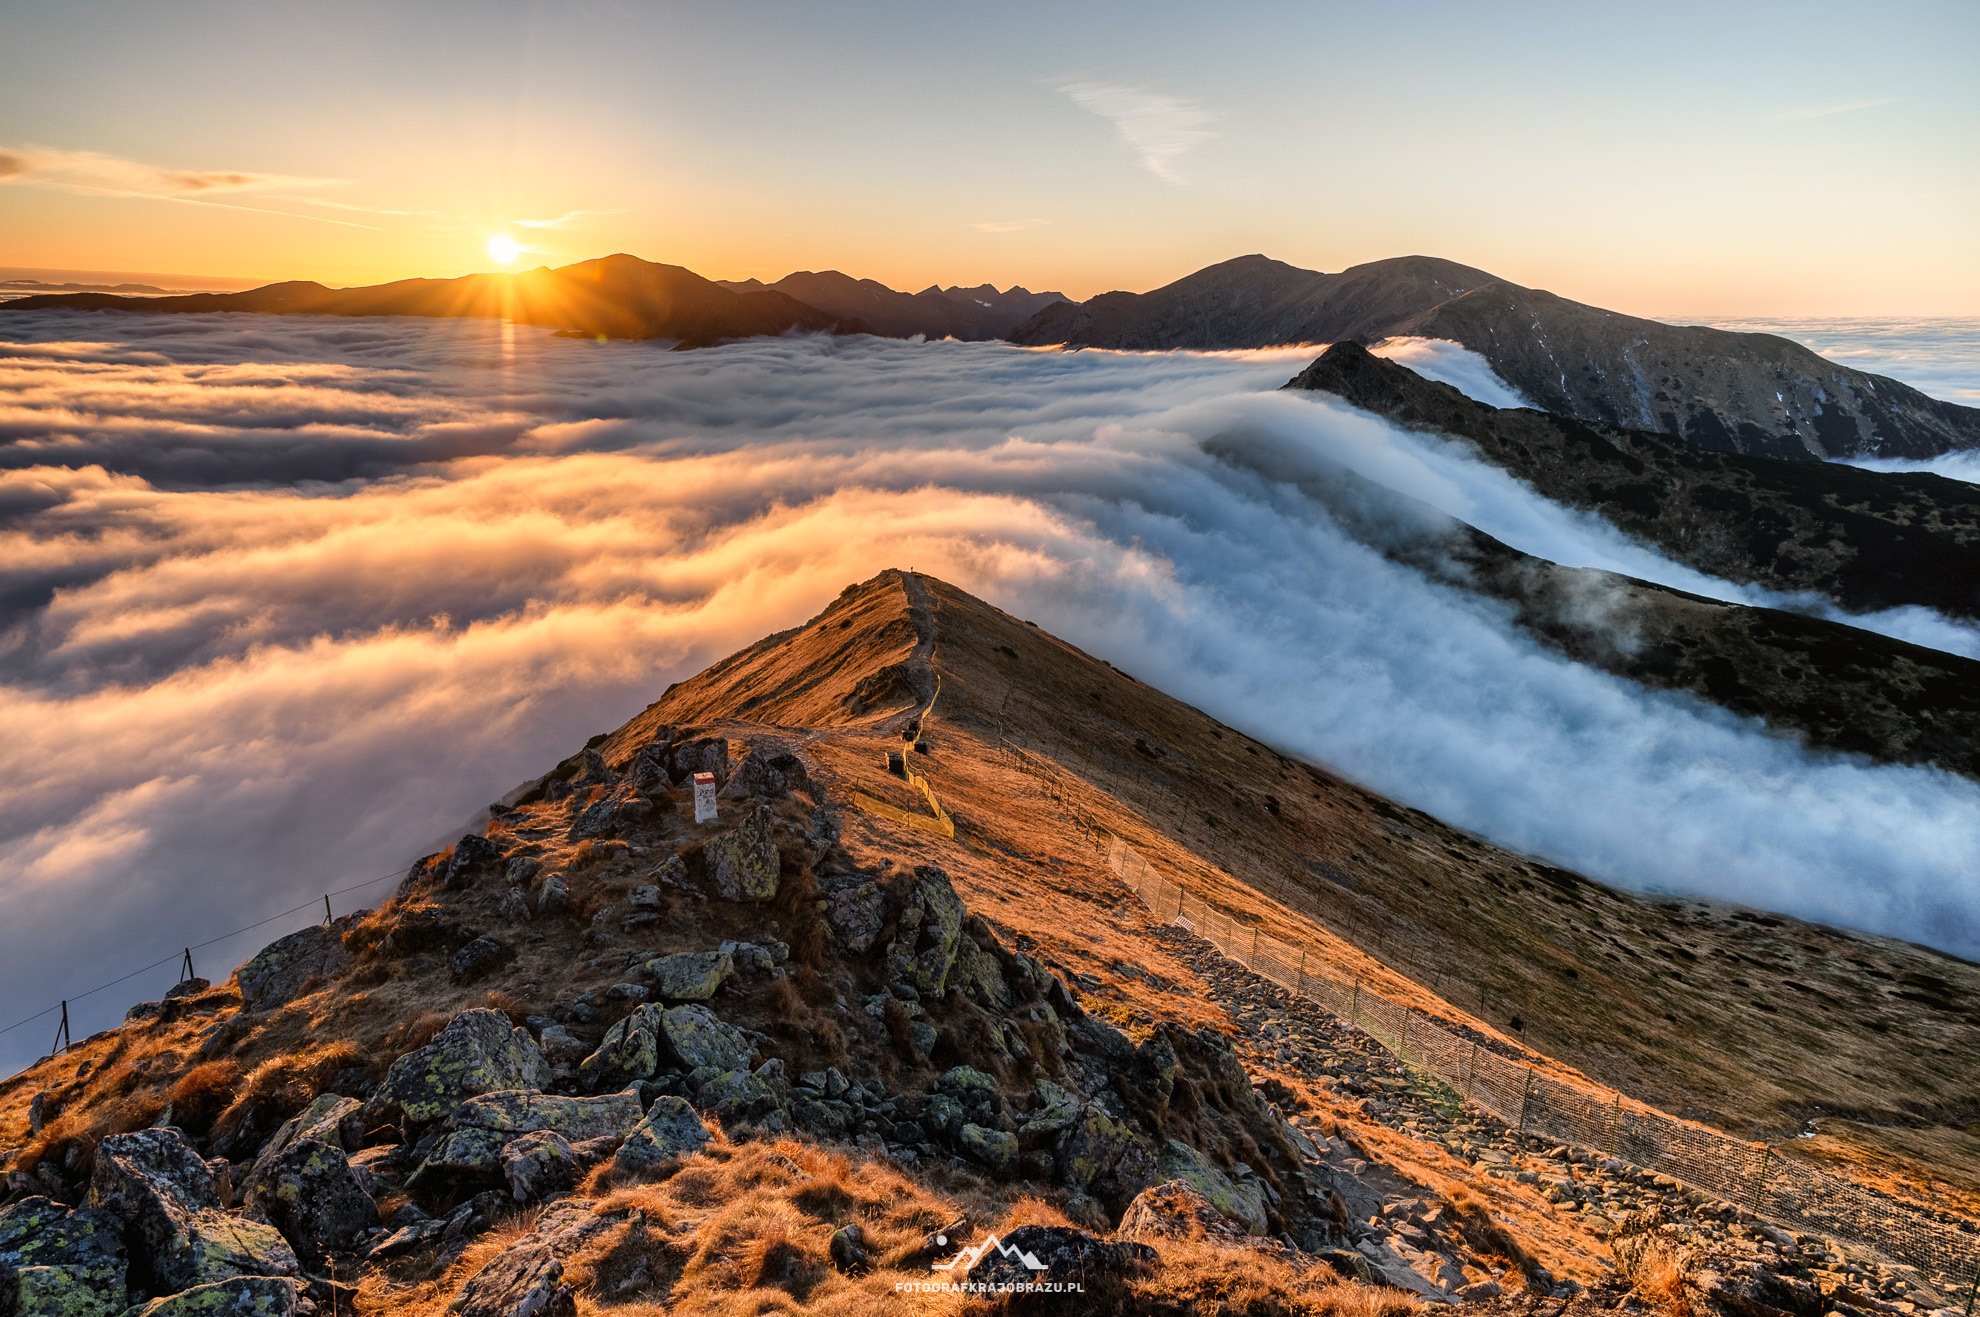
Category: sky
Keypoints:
(1713, 159)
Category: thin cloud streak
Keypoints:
(1162, 129)
(1829, 111)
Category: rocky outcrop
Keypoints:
(310, 1193)
(670, 1129)
(241, 1296)
(743, 864)
(478, 1052)
(54, 1260)
(690, 975)
(289, 966)
(175, 1229)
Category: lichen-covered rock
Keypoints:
(709, 754)
(284, 969)
(311, 1194)
(478, 959)
(1175, 1210)
(57, 1261)
(738, 1095)
(478, 1052)
(554, 897)
(696, 1038)
(461, 1156)
(855, 910)
(923, 949)
(670, 1129)
(473, 854)
(767, 774)
(629, 1051)
(165, 1194)
(241, 1296)
(849, 1250)
(575, 1118)
(992, 1149)
(1100, 1154)
(525, 1281)
(541, 1163)
(690, 975)
(1242, 1203)
(743, 863)
(329, 1119)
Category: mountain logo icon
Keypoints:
(969, 1257)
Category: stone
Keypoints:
(524, 1281)
(459, 1157)
(514, 906)
(286, 968)
(994, 1150)
(743, 864)
(768, 774)
(670, 1129)
(709, 754)
(1062, 1254)
(165, 1194)
(329, 1119)
(923, 949)
(311, 1194)
(478, 959)
(629, 1051)
(644, 897)
(736, 1096)
(1175, 1210)
(577, 1119)
(690, 975)
(849, 1251)
(187, 988)
(57, 1261)
(478, 1052)
(622, 809)
(521, 870)
(855, 910)
(539, 1164)
(562, 1048)
(472, 854)
(1244, 1204)
(554, 898)
(695, 1037)
(240, 1296)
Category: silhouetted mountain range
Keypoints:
(983, 312)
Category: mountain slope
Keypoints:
(1742, 393)
(1867, 541)
(612, 297)
(980, 313)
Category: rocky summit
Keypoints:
(603, 1056)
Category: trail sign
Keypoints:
(704, 797)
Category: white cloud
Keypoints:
(281, 600)
(1162, 129)
(1828, 111)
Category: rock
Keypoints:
(697, 1038)
(994, 1150)
(539, 1164)
(555, 896)
(522, 1112)
(521, 870)
(855, 910)
(562, 1048)
(514, 907)
(1244, 1204)
(630, 1050)
(1063, 1255)
(313, 1197)
(849, 1251)
(240, 1296)
(622, 809)
(57, 1261)
(187, 988)
(708, 755)
(669, 1129)
(524, 1281)
(38, 1112)
(1744, 1288)
(768, 775)
(329, 1119)
(690, 975)
(923, 949)
(478, 959)
(1091, 1146)
(173, 1223)
(737, 1095)
(1174, 1209)
(645, 897)
(472, 854)
(478, 1052)
(284, 969)
(743, 863)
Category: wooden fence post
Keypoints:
(1525, 1099)
(1470, 1069)
(1614, 1136)
(62, 1039)
(186, 967)
(1760, 1178)
(328, 918)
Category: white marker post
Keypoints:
(704, 797)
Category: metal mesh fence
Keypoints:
(1943, 1247)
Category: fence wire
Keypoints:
(1942, 1247)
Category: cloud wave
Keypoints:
(282, 601)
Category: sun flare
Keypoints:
(503, 249)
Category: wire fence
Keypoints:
(1943, 1247)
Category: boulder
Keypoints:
(478, 1052)
(1100, 1155)
(630, 1051)
(743, 863)
(575, 1118)
(1175, 1210)
(1242, 1203)
(670, 1129)
(284, 969)
(57, 1261)
(855, 910)
(696, 1038)
(240, 1296)
(767, 775)
(994, 1150)
(310, 1193)
(737, 1095)
(849, 1250)
(329, 1119)
(709, 754)
(478, 959)
(459, 1157)
(554, 898)
(924, 946)
(524, 1281)
(173, 1223)
(541, 1163)
(690, 975)
(473, 854)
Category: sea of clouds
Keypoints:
(284, 602)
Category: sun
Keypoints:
(503, 249)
